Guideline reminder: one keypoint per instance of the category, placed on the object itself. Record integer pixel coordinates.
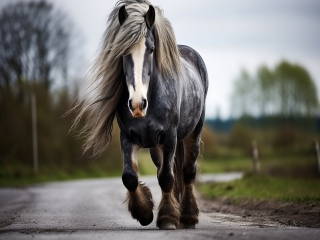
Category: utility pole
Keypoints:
(34, 132)
(255, 156)
(316, 147)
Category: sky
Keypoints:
(230, 35)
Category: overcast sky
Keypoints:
(229, 34)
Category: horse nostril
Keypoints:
(144, 104)
(130, 105)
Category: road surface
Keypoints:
(94, 209)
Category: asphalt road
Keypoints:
(94, 209)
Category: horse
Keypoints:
(156, 90)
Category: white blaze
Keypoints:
(141, 89)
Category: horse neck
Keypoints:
(161, 85)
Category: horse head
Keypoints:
(138, 64)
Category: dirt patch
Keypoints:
(288, 214)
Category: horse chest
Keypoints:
(151, 130)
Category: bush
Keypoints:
(285, 136)
(241, 137)
(209, 140)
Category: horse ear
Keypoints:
(150, 16)
(123, 15)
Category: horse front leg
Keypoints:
(139, 197)
(169, 208)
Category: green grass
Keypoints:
(146, 166)
(21, 176)
(265, 188)
(233, 161)
(27, 176)
(227, 160)
(207, 165)
(284, 164)
(217, 165)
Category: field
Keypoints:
(265, 188)
(292, 166)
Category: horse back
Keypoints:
(194, 86)
(194, 58)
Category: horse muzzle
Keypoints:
(139, 109)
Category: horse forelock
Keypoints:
(99, 110)
(119, 39)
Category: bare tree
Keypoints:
(34, 44)
(34, 51)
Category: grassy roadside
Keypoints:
(291, 202)
(15, 176)
(265, 188)
(284, 177)
(27, 177)
(288, 166)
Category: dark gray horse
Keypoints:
(157, 91)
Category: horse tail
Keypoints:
(178, 171)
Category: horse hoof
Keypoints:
(146, 221)
(167, 226)
(187, 226)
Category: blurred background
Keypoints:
(263, 60)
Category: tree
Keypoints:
(296, 90)
(35, 49)
(34, 44)
(244, 94)
(286, 91)
(265, 86)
